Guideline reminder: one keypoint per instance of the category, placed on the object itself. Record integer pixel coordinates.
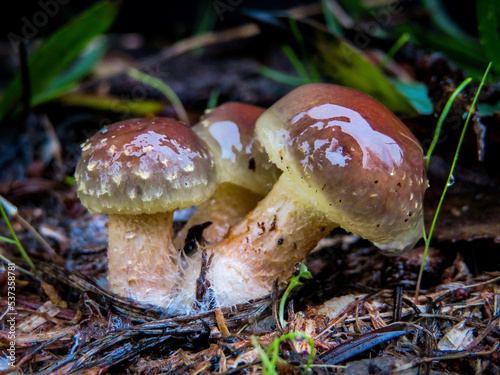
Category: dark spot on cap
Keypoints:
(280, 241)
(251, 164)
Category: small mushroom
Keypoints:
(244, 172)
(138, 172)
(347, 161)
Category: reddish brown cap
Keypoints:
(239, 156)
(352, 158)
(144, 166)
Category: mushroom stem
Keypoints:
(142, 259)
(281, 231)
(228, 206)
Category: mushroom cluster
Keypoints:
(346, 161)
(274, 182)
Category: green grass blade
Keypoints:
(280, 77)
(313, 70)
(405, 37)
(275, 345)
(442, 117)
(14, 236)
(8, 240)
(213, 98)
(455, 158)
(295, 281)
(297, 64)
(467, 54)
(267, 368)
(332, 24)
(164, 89)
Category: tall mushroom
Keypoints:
(346, 160)
(138, 172)
(244, 172)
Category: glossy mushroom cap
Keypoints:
(144, 166)
(240, 158)
(352, 158)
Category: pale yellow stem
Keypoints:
(142, 260)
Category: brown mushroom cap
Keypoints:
(240, 158)
(352, 158)
(144, 166)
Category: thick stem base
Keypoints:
(264, 247)
(142, 260)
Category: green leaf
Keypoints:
(59, 51)
(488, 18)
(69, 79)
(416, 93)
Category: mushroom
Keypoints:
(244, 171)
(138, 172)
(347, 161)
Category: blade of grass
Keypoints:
(280, 77)
(269, 365)
(275, 345)
(213, 98)
(267, 368)
(23, 252)
(8, 240)
(469, 55)
(295, 281)
(164, 89)
(331, 22)
(14, 212)
(313, 70)
(428, 237)
(442, 117)
(299, 67)
(405, 37)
